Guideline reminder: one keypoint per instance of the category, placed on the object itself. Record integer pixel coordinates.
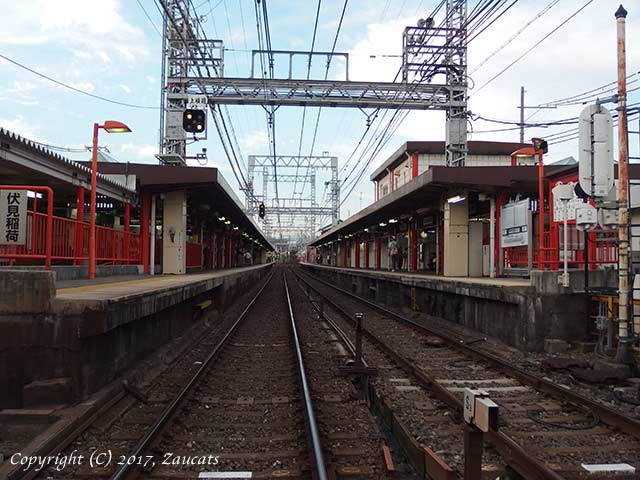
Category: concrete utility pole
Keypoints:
(521, 114)
(624, 353)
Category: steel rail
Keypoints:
(609, 416)
(346, 341)
(438, 469)
(321, 470)
(168, 412)
(516, 456)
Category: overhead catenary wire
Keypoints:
(221, 127)
(480, 16)
(326, 75)
(530, 49)
(146, 14)
(548, 7)
(304, 107)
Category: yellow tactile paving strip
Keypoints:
(86, 288)
(127, 288)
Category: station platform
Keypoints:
(521, 312)
(79, 337)
(125, 300)
(428, 276)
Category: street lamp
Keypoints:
(110, 126)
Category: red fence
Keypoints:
(194, 255)
(602, 250)
(70, 242)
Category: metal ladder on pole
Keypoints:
(634, 241)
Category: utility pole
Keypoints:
(521, 114)
(624, 353)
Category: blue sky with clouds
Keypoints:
(110, 48)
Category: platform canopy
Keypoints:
(430, 188)
(206, 188)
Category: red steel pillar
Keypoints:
(378, 252)
(145, 215)
(127, 229)
(79, 228)
(540, 209)
(357, 253)
(414, 165)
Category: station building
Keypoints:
(485, 219)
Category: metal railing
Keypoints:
(62, 240)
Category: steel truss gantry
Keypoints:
(321, 93)
(296, 215)
(434, 67)
(431, 53)
(186, 52)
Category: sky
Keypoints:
(112, 49)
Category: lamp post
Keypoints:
(111, 126)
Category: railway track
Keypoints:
(546, 431)
(250, 408)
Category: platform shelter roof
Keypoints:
(206, 188)
(429, 188)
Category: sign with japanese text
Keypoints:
(515, 220)
(197, 102)
(13, 217)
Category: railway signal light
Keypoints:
(194, 121)
(262, 210)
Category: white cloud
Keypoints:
(96, 27)
(85, 86)
(125, 88)
(145, 151)
(20, 87)
(21, 126)
(254, 141)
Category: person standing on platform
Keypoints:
(393, 253)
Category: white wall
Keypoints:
(425, 160)
(475, 249)
(402, 173)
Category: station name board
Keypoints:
(13, 217)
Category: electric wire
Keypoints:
(146, 14)
(77, 90)
(530, 49)
(478, 12)
(304, 108)
(548, 7)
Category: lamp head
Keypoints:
(113, 126)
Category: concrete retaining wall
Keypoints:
(26, 291)
(520, 316)
(87, 345)
(79, 272)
